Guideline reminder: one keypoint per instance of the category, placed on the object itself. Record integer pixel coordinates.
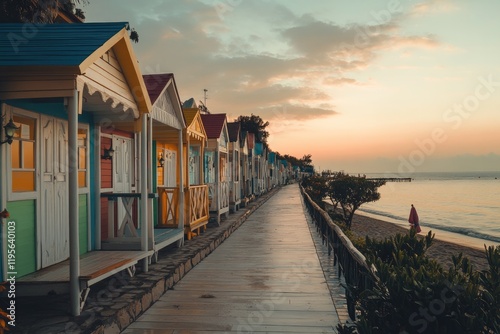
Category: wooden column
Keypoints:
(97, 184)
(181, 182)
(74, 249)
(144, 188)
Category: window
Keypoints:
(23, 154)
(82, 157)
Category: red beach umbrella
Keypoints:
(413, 219)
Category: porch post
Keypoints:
(74, 253)
(181, 181)
(97, 185)
(144, 189)
(151, 165)
(3, 199)
(218, 181)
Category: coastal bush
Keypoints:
(316, 187)
(350, 192)
(344, 191)
(414, 294)
(358, 241)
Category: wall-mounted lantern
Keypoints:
(108, 153)
(10, 129)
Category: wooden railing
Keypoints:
(224, 194)
(212, 197)
(168, 203)
(235, 193)
(223, 199)
(123, 223)
(197, 206)
(349, 259)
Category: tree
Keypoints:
(350, 192)
(317, 188)
(255, 124)
(306, 160)
(45, 11)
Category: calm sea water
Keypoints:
(464, 204)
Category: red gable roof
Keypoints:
(233, 129)
(213, 124)
(251, 140)
(155, 84)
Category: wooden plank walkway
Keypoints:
(266, 278)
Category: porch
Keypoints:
(95, 266)
(197, 213)
(123, 233)
(219, 199)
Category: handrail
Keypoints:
(167, 206)
(115, 196)
(197, 204)
(351, 262)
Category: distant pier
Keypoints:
(390, 179)
(331, 175)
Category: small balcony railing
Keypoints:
(168, 207)
(197, 206)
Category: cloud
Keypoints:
(355, 44)
(334, 81)
(277, 59)
(432, 7)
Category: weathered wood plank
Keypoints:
(266, 278)
(92, 265)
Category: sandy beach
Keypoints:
(440, 250)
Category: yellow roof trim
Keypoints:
(193, 118)
(122, 47)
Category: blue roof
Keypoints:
(271, 158)
(259, 149)
(58, 44)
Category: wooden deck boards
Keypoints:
(266, 278)
(91, 264)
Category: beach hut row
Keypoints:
(102, 166)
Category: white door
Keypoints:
(170, 168)
(54, 236)
(194, 165)
(122, 171)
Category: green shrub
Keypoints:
(414, 294)
(357, 241)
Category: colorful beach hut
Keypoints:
(252, 159)
(245, 180)
(166, 164)
(260, 169)
(233, 129)
(79, 105)
(272, 170)
(217, 164)
(196, 214)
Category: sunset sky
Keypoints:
(362, 86)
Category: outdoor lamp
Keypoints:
(108, 153)
(10, 130)
(161, 161)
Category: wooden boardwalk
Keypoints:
(266, 278)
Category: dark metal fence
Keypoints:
(351, 263)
